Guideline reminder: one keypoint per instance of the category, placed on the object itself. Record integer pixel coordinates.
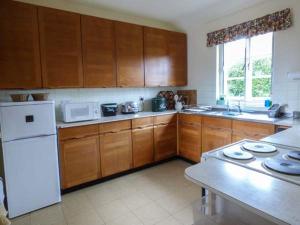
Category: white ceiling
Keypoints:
(170, 10)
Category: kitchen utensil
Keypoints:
(159, 104)
(130, 107)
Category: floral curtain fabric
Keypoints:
(280, 20)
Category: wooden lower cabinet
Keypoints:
(216, 132)
(142, 146)
(250, 130)
(115, 152)
(165, 141)
(80, 161)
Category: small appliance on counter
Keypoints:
(80, 111)
(274, 111)
(159, 104)
(109, 109)
(130, 107)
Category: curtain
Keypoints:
(280, 20)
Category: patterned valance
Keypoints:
(280, 20)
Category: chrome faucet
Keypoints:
(238, 106)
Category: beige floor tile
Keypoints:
(126, 219)
(100, 195)
(22, 220)
(112, 210)
(172, 204)
(151, 213)
(136, 200)
(185, 216)
(87, 218)
(52, 215)
(169, 221)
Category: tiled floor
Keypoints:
(158, 195)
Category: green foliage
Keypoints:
(261, 87)
(262, 66)
(236, 88)
(237, 70)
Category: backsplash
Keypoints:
(101, 95)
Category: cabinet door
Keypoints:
(142, 146)
(20, 65)
(213, 137)
(178, 59)
(190, 141)
(60, 38)
(98, 46)
(80, 161)
(156, 57)
(129, 53)
(165, 141)
(115, 152)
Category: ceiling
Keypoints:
(170, 10)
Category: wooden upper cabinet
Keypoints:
(165, 54)
(60, 40)
(98, 49)
(20, 65)
(178, 59)
(157, 62)
(129, 53)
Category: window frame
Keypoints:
(247, 99)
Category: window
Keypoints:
(245, 69)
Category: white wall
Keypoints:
(202, 60)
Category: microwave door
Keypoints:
(79, 113)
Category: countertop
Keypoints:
(264, 195)
(60, 124)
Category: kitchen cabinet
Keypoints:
(165, 137)
(115, 147)
(60, 43)
(98, 46)
(216, 132)
(189, 135)
(20, 65)
(79, 155)
(250, 130)
(142, 141)
(129, 55)
(165, 55)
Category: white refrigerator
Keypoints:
(30, 157)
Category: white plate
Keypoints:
(259, 147)
(237, 154)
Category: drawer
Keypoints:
(165, 119)
(78, 132)
(114, 127)
(142, 122)
(216, 122)
(252, 128)
(190, 119)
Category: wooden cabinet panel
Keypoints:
(115, 152)
(216, 122)
(156, 57)
(189, 134)
(129, 53)
(142, 146)
(60, 40)
(177, 43)
(165, 141)
(213, 137)
(114, 127)
(250, 130)
(142, 122)
(98, 46)
(165, 119)
(20, 65)
(79, 160)
(78, 132)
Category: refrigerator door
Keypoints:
(27, 120)
(31, 174)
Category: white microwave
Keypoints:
(80, 111)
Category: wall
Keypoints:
(101, 95)
(202, 60)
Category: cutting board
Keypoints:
(188, 96)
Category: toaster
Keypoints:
(130, 107)
(109, 109)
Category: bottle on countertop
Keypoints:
(141, 105)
